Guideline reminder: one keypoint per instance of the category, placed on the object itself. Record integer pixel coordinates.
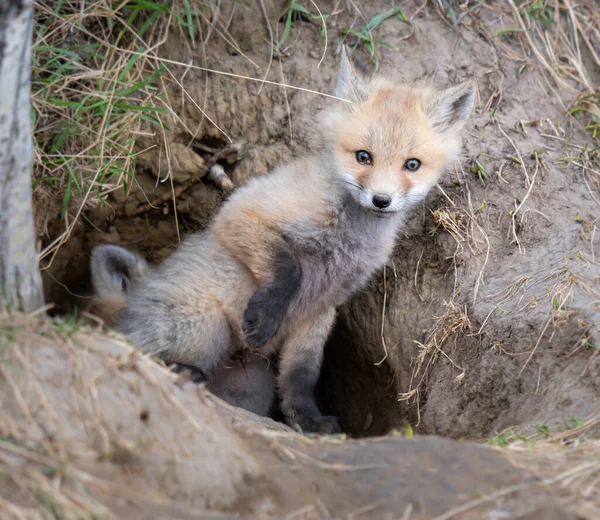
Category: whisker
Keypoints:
(354, 184)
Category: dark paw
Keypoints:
(323, 424)
(262, 319)
(195, 374)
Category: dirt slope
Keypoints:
(89, 426)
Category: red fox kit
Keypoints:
(288, 248)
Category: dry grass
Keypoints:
(572, 469)
(562, 38)
(452, 323)
(92, 97)
(568, 462)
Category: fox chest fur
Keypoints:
(338, 258)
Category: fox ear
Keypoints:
(350, 81)
(115, 271)
(452, 106)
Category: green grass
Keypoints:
(587, 107)
(365, 37)
(455, 10)
(481, 171)
(507, 438)
(297, 11)
(94, 88)
(503, 32)
(540, 11)
(542, 433)
(69, 325)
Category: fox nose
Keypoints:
(381, 201)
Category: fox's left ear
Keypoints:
(452, 106)
(350, 83)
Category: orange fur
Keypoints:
(107, 309)
(253, 243)
(393, 140)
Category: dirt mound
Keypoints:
(87, 396)
(91, 427)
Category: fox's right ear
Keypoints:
(350, 83)
(115, 271)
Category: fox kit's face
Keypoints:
(393, 142)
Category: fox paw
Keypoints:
(262, 319)
(323, 424)
(195, 374)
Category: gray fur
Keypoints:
(349, 83)
(115, 271)
(175, 314)
(249, 384)
(299, 372)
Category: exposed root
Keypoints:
(228, 152)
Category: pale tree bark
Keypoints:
(20, 281)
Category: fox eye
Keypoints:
(364, 157)
(412, 165)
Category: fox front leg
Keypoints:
(268, 306)
(300, 368)
(252, 235)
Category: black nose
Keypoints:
(382, 201)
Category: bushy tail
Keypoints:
(115, 272)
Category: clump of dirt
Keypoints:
(487, 315)
(67, 394)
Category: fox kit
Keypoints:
(115, 271)
(288, 248)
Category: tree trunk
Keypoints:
(20, 281)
